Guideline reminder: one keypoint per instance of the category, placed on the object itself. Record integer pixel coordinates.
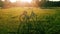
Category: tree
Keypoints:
(1, 3)
(51, 4)
(6, 4)
(42, 2)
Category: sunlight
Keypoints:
(12, 1)
(2, 0)
(39, 0)
(29, 1)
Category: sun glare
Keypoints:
(12, 1)
(29, 1)
(2, 0)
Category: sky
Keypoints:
(54, 0)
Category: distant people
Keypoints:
(23, 16)
(32, 14)
(24, 13)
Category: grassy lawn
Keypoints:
(47, 21)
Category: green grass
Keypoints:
(47, 21)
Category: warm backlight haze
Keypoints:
(23, 1)
(29, 1)
(12, 1)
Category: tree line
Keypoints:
(42, 3)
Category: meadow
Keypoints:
(47, 21)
